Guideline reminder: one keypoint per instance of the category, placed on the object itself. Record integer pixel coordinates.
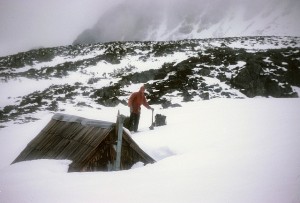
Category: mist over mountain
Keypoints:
(135, 20)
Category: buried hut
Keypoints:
(91, 145)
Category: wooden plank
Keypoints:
(91, 136)
(42, 141)
(70, 151)
(84, 153)
(33, 155)
(136, 148)
(23, 155)
(56, 125)
(81, 134)
(50, 125)
(88, 136)
(44, 135)
(74, 129)
(57, 148)
(97, 136)
(48, 149)
(98, 139)
(61, 127)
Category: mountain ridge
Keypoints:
(194, 20)
(104, 73)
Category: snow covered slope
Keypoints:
(188, 70)
(221, 150)
(215, 146)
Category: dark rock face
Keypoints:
(255, 78)
(259, 78)
(109, 96)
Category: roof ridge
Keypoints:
(82, 120)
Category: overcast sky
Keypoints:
(27, 24)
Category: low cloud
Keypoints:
(34, 23)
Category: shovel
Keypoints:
(152, 124)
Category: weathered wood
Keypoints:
(137, 149)
(120, 121)
(90, 144)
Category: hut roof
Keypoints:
(74, 138)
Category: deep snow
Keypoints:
(221, 150)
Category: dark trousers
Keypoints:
(134, 121)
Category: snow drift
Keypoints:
(221, 150)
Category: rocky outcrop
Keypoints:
(274, 78)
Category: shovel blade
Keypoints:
(151, 127)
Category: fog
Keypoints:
(137, 20)
(28, 24)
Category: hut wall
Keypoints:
(129, 156)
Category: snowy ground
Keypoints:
(221, 150)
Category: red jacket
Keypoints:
(136, 100)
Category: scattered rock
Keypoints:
(268, 73)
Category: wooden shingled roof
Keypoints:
(90, 144)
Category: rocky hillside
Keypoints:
(101, 74)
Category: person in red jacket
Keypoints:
(135, 101)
